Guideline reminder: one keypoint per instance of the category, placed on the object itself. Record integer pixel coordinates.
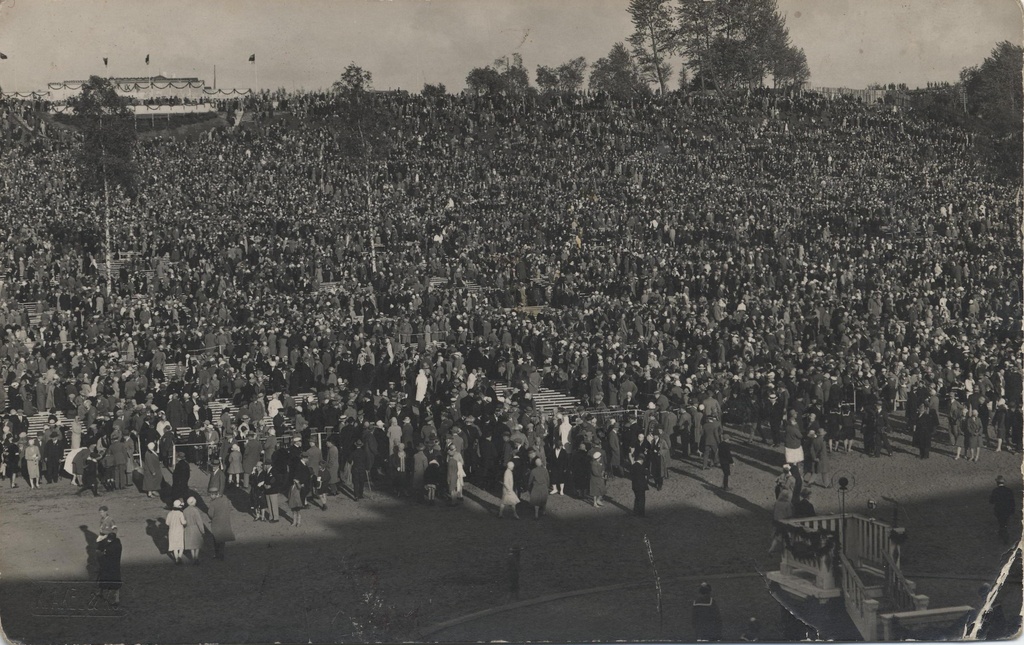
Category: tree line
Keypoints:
(717, 45)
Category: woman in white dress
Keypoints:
(176, 531)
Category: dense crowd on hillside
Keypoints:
(793, 266)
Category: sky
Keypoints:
(406, 43)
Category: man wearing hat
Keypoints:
(107, 524)
(638, 478)
(219, 512)
(803, 506)
(1004, 505)
(707, 618)
(218, 477)
(776, 413)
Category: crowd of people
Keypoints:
(795, 267)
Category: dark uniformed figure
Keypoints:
(803, 506)
(725, 460)
(924, 429)
(108, 559)
(1004, 505)
(707, 618)
(638, 475)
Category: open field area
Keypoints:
(389, 568)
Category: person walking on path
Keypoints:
(152, 476)
(32, 458)
(90, 474)
(924, 429)
(258, 491)
(179, 477)
(432, 479)
(235, 468)
(218, 478)
(360, 470)
(711, 432)
(331, 459)
(725, 460)
(220, 522)
(1004, 505)
(176, 530)
(419, 469)
(538, 484)
(107, 524)
(508, 491)
(295, 502)
(598, 482)
(196, 525)
(638, 477)
(108, 561)
(707, 617)
(783, 510)
(12, 460)
(973, 432)
(558, 468)
(119, 452)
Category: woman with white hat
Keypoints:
(508, 491)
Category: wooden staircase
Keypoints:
(545, 400)
(862, 577)
(443, 283)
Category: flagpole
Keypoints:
(256, 67)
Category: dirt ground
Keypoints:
(389, 569)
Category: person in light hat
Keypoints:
(152, 475)
(176, 531)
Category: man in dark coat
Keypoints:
(360, 466)
(250, 457)
(707, 618)
(220, 522)
(302, 474)
(218, 477)
(803, 506)
(924, 429)
(108, 560)
(614, 451)
(776, 410)
(638, 476)
(179, 479)
(53, 454)
(90, 473)
(1004, 505)
(725, 460)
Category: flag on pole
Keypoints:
(104, 61)
(147, 59)
(252, 58)
(3, 56)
